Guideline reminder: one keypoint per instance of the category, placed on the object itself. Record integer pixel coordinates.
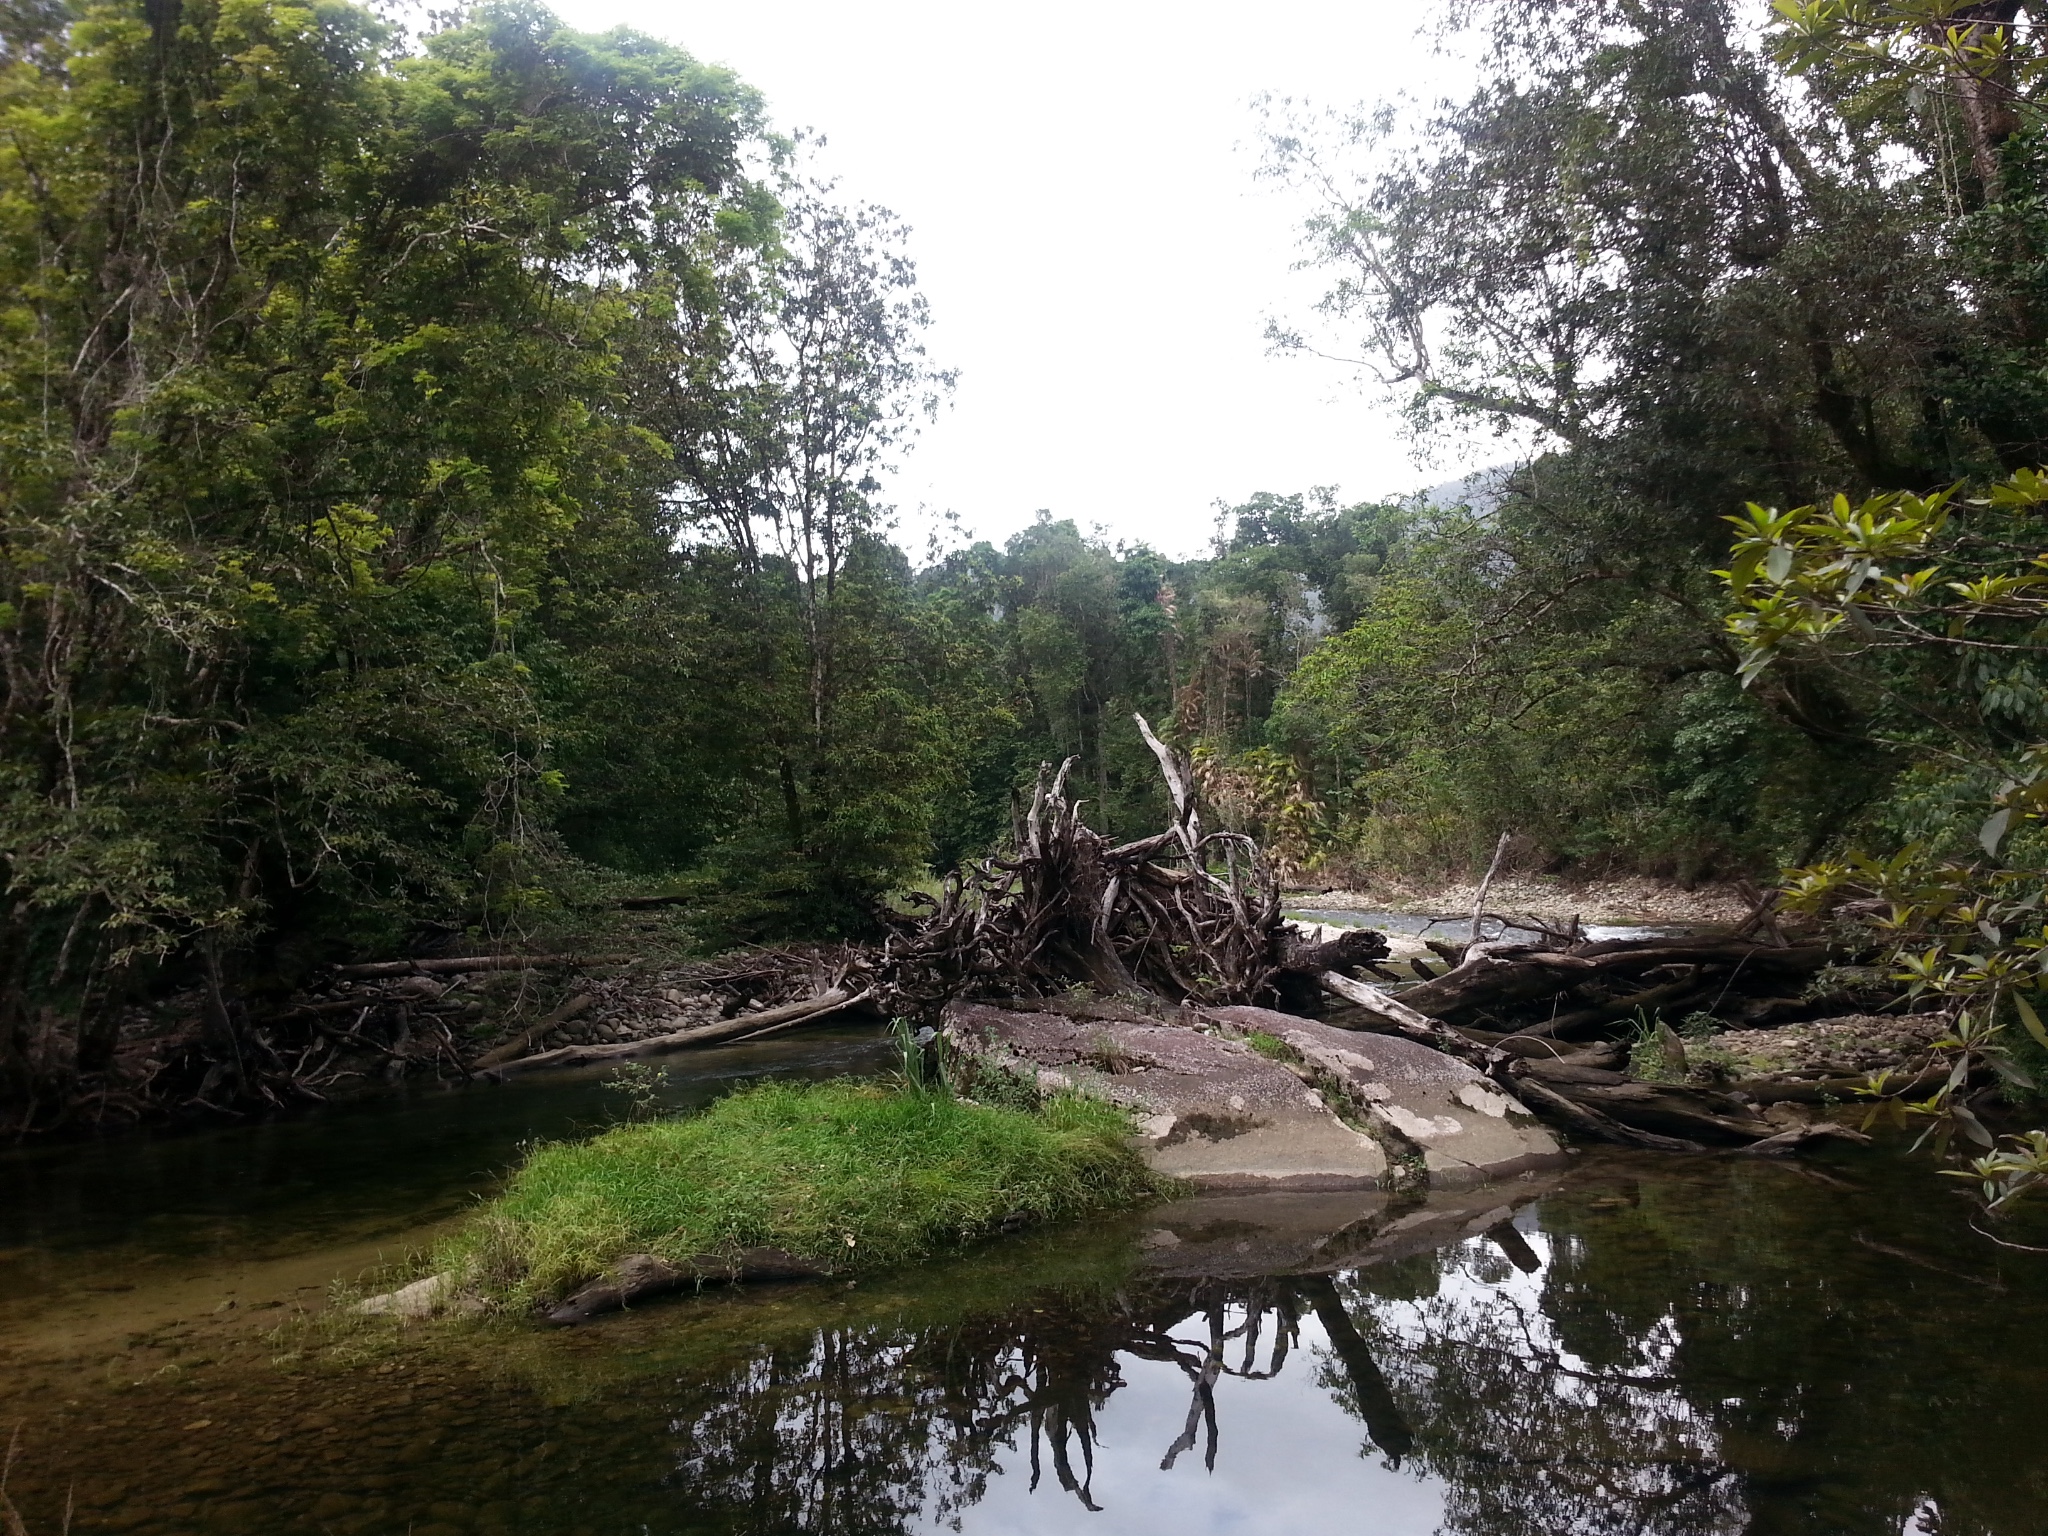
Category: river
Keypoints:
(1639, 1345)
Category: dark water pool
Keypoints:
(1644, 1345)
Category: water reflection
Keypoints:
(1673, 1347)
(1590, 1366)
(871, 1430)
(1463, 1390)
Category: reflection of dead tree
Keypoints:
(1051, 1380)
(1182, 913)
(1282, 1298)
(1203, 1409)
(891, 1423)
(1055, 1421)
(1376, 1405)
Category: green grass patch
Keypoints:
(858, 1175)
(1270, 1046)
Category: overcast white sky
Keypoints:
(1099, 259)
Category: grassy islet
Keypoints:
(854, 1175)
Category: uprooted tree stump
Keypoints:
(1183, 914)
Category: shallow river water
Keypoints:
(1639, 1345)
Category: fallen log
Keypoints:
(1594, 1123)
(307, 1011)
(1566, 1070)
(1662, 1108)
(528, 1037)
(1798, 1136)
(1495, 977)
(1352, 946)
(746, 1026)
(1786, 1089)
(1539, 1048)
(1563, 1026)
(473, 963)
(638, 1276)
(1395, 1013)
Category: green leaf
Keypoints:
(2031, 1019)
(1972, 1128)
(1992, 833)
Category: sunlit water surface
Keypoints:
(1646, 1345)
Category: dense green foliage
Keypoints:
(1678, 280)
(852, 1175)
(441, 491)
(372, 421)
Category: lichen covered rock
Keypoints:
(1326, 1110)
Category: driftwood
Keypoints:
(1500, 978)
(639, 1276)
(1183, 914)
(1840, 1090)
(1192, 917)
(1351, 947)
(1580, 1021)
(473, 963)
(1588, 1090)
(523, 1042)
(1500, 852)
(1799, 1136)
(1393, 1011)
(742, 1027)
(387, 1019)
(1567, 1110)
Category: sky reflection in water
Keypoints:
(1243, 1415)
(1709, 1349)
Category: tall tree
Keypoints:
(1678, 282)
(820, 372)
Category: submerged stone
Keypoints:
(423, 1298)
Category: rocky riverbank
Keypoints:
(1636, 900)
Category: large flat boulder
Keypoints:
(1340, 1112)
(1464, 1128)
(1210, 1110)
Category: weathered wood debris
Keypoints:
(1065, 918)
(1194, 918)
(458, 1017)
(1181, 914)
